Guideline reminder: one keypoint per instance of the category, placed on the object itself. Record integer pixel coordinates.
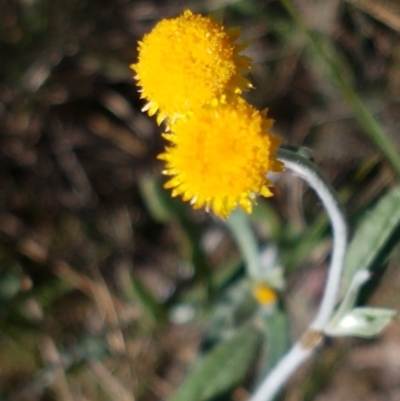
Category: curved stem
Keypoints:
(304, 348)
(309, 172)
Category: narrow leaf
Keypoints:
(153, 308)
(222, 369)
(372, 235)
(164, 208)
(276, 342)
(363, 322)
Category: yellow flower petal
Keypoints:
(218, 158)
(186, 62)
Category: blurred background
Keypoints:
(109, 289)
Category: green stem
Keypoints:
(246, 241)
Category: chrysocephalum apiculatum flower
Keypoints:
(187, 62)
(219, 156)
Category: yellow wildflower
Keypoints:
(219, 157)
(186, 62)
(264, 294)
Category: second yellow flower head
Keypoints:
(218, 158)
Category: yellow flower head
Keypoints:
(264, 294)
(219, 156)
(187, 62)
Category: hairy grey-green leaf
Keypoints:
(222, 369)
(372, 235)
